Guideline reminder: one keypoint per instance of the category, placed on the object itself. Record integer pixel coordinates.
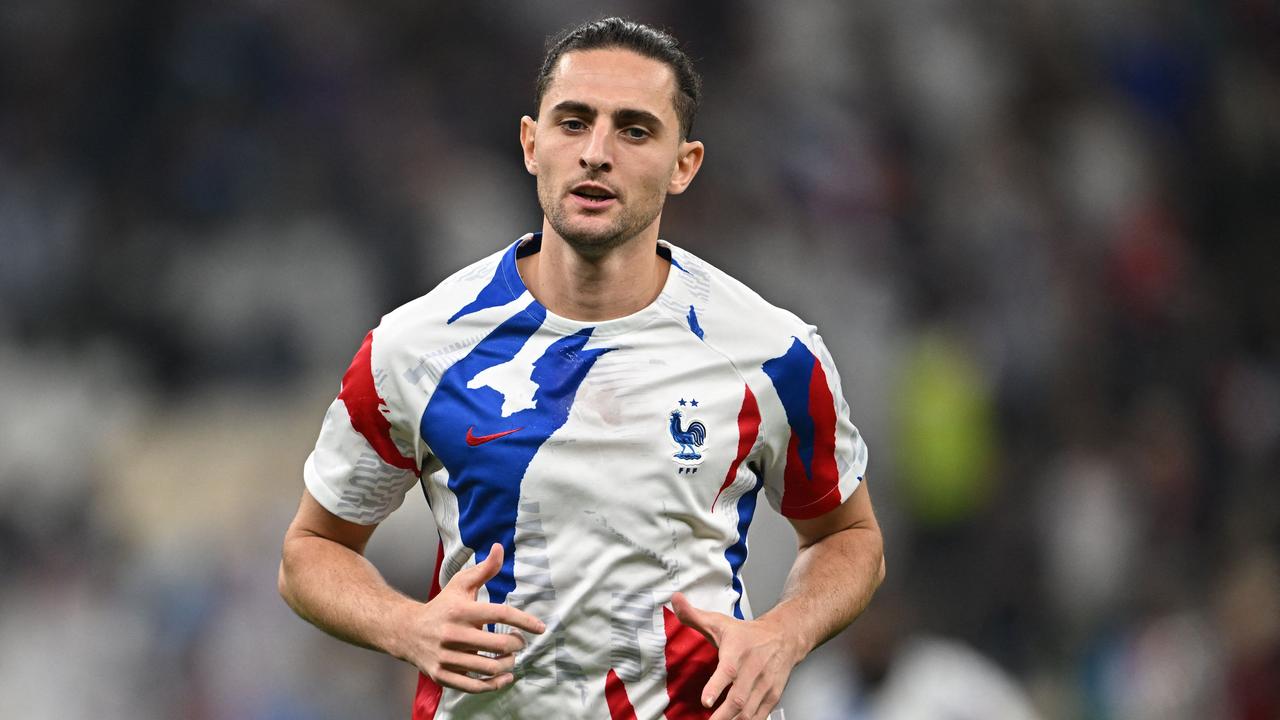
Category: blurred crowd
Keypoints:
(1042, 240)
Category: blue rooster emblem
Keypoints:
(689, 439)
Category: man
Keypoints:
(592, 413)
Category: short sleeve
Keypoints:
(357, 471)
(816, 458)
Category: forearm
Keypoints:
(830, 584)
(339, 591)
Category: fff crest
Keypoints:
(688, 434)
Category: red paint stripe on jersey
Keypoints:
(748, 429)
(364, 406)
(615, 694)
(808, 497)
(795, 488)
(427, 699)
(691, 660)
(822, 408)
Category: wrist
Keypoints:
(791, 631)
(389, 631)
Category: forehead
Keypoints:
(612, 78)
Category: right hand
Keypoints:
(445, 636)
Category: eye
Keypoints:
(635, 133)
(573, 125)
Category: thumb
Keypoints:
(472, 578)
(706, 623)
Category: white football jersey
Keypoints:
(617, 462)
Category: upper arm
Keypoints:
(314, 520)
(854, 513)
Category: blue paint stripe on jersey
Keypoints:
(736, 553)
(694, 326)
(792, 374)
(486, 454)
(498, 292)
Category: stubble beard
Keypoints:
(596, 243)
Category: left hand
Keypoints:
(756, 658)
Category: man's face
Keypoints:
(606, 148)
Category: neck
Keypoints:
(622, 281)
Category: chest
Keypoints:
(595, 421)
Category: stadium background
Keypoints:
(1040, 238)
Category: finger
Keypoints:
(482, 572)
(469, 639)
(724, 676)
(468, 684)
(708, 623)
(461, 662)
(768, 703)
(491, 613)
(732, 708)
(746, 693)
(756, 698)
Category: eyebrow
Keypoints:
(621, 116)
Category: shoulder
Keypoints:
(781, 358)
(451, 315)
(731, 316)
(445, 300)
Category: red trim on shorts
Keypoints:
(615, 694)
(691, 660)
(427, 699)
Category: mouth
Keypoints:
(593, 195)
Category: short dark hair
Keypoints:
(616, 32)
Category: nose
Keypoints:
(597, 154)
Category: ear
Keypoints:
(687, 164)
(528, 128)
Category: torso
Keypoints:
(617, 462)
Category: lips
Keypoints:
(590, 194)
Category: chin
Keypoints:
(591, 241)
(589, 235)
(595, 235)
